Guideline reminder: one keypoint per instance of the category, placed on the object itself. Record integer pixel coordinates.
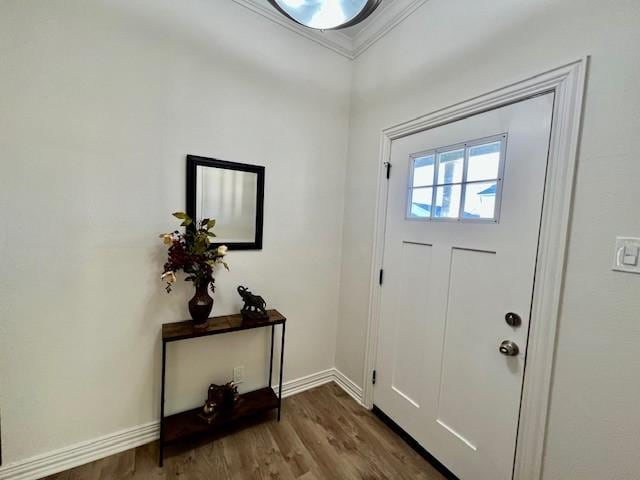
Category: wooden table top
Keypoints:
(172, 332)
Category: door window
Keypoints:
(461, 183)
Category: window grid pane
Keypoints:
(421, 201)
(484, 161)
(480, 200)
(424, 171)
(451, 166)
(447, 204)
(457, 184)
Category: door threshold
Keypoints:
(412, 442)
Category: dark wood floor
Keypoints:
(323, 435)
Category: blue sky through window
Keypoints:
(322, 14)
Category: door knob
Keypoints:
(509, 348)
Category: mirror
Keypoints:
(232, 194)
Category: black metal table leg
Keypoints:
(281, 372)
(164, 362)
(273, 328)
(258, 400)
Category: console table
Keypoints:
(186, 424)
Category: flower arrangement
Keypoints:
(190, 252)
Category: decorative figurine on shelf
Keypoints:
(219, 397)
(230, 395)
(210, 408)
(254, 305)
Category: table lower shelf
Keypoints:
(189, 423)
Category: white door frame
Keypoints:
(568, 84)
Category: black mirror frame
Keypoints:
(193, 161)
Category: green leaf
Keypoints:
(210, 224)
(186, 222)
(181, 216)
(211, 234)
(200, 244)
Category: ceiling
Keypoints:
(349, 42)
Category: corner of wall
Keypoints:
(341, 293)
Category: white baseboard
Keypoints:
(80, 453)
(348, 386)
(75, 455)
(320, 378)
(305, 383)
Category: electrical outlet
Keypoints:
(238, 374)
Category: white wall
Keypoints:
(451, 50)
(100, 101)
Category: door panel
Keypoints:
(409, 343)
(449, 283)
(468, 343)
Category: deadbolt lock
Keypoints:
(509, 348)
(513, 319)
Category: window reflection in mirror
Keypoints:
(228, 196)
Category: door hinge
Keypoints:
(387, 165)
(373, 377)
(381, 276)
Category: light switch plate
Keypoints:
(627, 255)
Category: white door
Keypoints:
(463, 218)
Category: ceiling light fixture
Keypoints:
(326, 14)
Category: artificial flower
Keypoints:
(169, 277)
(167, 238)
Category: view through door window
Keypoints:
(461, 183)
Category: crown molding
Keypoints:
(379, 25)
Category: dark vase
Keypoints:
(201, 304)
